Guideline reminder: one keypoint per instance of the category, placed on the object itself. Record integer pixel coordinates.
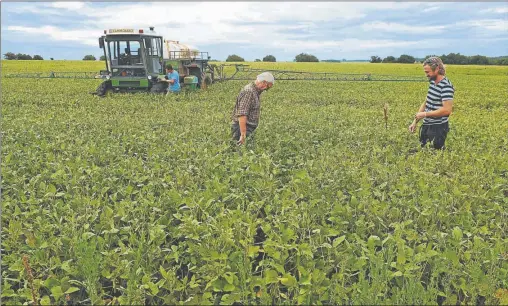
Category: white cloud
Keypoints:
(488, 24)
(85, 37)
(209, 22)
(72, 6)
(292, 27)
(498, 10)
(431, 8)
(401, 28)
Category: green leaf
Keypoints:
(288, 280)
(46, 300)
(229, 278)
(271, 276)
(66, 266)
(354, 201)
(57, 292)
(253, 250)
(338, 240)
(52, 189)
(229, 287)
(71, 290)
(51, 282)
(163, 272)
(153, 288)
(457, 233)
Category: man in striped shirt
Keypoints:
(437, 107)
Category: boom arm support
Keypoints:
(243, 72)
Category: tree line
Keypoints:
(302, 57)
(451, 59)
(20, 56)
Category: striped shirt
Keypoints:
(248, 104)
(436, 95)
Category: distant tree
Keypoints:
(304, 57)
(89, 58)
(257, 60)
(51, 58)
(389, 59)
(499, 61)
(234, 58)
(455, 59)
(269, 58)
(478, 60)
(10, 56)
(102, 58)
(38, 57)
(406, 59)
(25, 57)
(375, 59)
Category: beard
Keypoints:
(432, 78)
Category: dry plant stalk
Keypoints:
(385, 110)
(30, 278)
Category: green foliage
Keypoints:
(234, 58)
(459, 59)
(10, 56)
(406, 59)
(126, 200)
(269, 58)
(38, 57)
(89, 58)
(304, 57)
(21, 56)
(375, 59)
(102, 58)
(389, 59)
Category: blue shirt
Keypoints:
(176, 85)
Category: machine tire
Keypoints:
(158, 88)
(208, 80)
(104, 89)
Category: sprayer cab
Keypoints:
(136, 60)
(133, 59)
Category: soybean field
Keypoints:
(141, 199)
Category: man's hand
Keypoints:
(420, 115)
(412, 127)
(241, 141)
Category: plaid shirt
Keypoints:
(248, 104)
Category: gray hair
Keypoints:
(266, 76)
(435, 62)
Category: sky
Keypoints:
(252, 30)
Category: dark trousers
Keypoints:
(235, 131)
(435, 134)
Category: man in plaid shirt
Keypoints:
(246, 113)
